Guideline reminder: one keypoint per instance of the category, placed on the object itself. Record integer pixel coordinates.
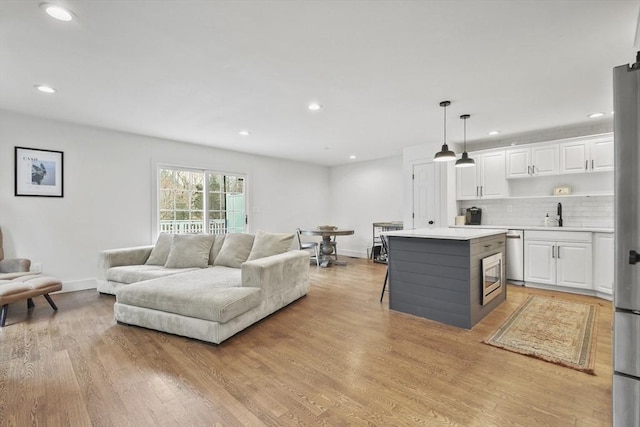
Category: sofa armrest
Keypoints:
(277, 273)
(15, 265)
(126, 256)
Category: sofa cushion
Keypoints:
(201, 294)
(268, 244)
(235, 250)
(160, 251)
(190, 250)
(215, 248)
(137, 273)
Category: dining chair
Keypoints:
(305, 246)
(385, 248)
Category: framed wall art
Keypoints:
(38, 172)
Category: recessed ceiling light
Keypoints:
(244, 133)
(45, 88)
(595, 115)
(352, 157)
(494, 132)
(57, 12)
(314, 106)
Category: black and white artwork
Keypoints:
(38, 172)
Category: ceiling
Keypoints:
(200, 71)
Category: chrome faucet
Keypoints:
(559, 214)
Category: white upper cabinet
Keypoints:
(534, 161)
(587, 155)
(485, 180)
(602, 154)
(518, 162)
(493, 183)
(544, 160)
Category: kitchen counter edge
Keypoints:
(536, 228)
(450, 233)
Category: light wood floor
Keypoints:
(336, 357)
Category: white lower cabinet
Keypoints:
(558, 258)
(603, 259)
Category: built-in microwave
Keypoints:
(492, 277)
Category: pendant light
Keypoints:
(465, 161)
(445, 155)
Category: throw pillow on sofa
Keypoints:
(190, 250)
(267, 244)
(160, 251)
(235, 250)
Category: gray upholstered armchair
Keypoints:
(10, 268)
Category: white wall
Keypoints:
(363, 193)
(109, 193)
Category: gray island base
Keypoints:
(437, 273)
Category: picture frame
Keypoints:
(39, 172)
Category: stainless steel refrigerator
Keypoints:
(626, 336)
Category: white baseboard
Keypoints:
(77, 285)
(352, 254)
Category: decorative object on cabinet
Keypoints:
(551, 329)
(562, 190)
(445, 155)
(378, 251)
(465, 161)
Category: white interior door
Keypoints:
(424, 195)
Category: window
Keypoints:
(198, 201)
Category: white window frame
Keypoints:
(205, 203)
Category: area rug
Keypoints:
(552, 329)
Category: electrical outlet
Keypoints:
(36, 267)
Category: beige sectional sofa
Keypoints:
(207, 287)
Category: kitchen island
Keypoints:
(438, 274)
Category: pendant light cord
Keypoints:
(445, 124)
(464, 118)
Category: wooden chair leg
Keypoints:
(30, 303)
(384, 286)
(50, 301)
(3, 314)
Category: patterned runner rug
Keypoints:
(556, 330)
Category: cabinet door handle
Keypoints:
(533, 169)
(477, 191)
(558, 252)
(591, 164)
(481, 187)
(553, 251)
(586, 164)
(528, 170)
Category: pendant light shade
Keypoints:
(445, 155)
(465, 161)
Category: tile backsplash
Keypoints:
(587, 211)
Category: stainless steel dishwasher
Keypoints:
(515, 256)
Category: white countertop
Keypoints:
(462, 233)
(533, 227)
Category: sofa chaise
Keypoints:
(207, 287)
